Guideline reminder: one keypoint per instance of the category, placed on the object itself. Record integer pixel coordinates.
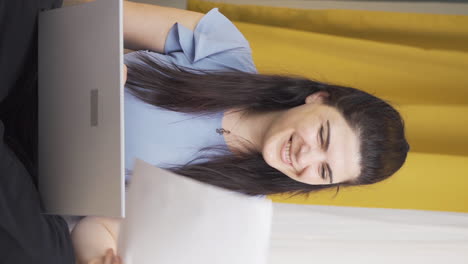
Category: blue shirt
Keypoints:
(165, 138)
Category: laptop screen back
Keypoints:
(81, 129)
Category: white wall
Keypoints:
(309, 234)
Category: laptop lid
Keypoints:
(81, 114)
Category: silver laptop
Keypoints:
(81, 114)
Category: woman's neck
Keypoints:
(247, 128)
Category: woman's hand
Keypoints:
(93, 236)
(108, 258)
(125, 73)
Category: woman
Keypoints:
(258, 134)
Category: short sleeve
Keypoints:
(215, 43)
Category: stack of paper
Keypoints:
(171, 219)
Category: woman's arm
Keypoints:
(92, 236)
(146, 26)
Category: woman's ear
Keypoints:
(317, 97)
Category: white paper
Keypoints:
(171, 219)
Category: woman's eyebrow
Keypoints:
(330, 173)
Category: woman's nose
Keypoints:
(308, 155)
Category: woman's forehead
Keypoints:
(343, 153)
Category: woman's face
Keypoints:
(323, 150)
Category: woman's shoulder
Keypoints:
(215, 44)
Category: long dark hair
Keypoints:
(383, 146)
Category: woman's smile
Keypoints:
(286, 153)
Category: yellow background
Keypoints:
(418, 62)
